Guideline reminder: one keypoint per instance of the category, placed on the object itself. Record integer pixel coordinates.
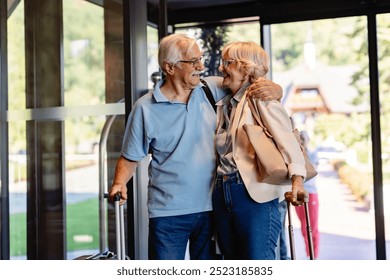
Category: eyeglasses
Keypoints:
(226, 62)
(195, 62)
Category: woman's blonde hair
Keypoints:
(250, 57)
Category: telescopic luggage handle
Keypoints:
(291, 233)
(120, 228)
(308, 229)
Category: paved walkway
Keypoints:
(347, 228)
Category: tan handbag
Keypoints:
(270, 165)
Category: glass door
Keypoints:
(54, 131)
(322, 66)
(383, 35)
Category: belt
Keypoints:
(235, 176)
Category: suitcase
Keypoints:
(308, 230)
(120, 237)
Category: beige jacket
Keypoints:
(276, 119)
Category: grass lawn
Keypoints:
(82, 228)
(83, 225)
(18, 234)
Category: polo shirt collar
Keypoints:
(160, 97)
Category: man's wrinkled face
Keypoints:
(190, 67)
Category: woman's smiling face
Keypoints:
(233, 77)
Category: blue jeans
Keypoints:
(245, 229)
(168, 237)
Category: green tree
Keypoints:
(84, 71)
(213, 39)
(16, 77)
(360, 78)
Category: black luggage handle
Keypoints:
(117, 196)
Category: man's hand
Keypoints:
(118, 189)
(123, 172)
(265, 90)
(298, 194)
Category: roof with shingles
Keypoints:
(332, 84)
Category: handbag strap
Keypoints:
(257, 116)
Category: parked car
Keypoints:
(328, 154)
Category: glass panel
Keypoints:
(153, 67)
(17, 188)
(16, 59)
(383, 25)
(244, 32)
(82, 184)
(213, 38)
(322, 66)
(17, 134)
(84, 80)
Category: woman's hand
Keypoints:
(298, 194)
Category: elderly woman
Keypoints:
(248, 221)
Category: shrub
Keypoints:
(359, 182)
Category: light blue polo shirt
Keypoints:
(180, 138)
